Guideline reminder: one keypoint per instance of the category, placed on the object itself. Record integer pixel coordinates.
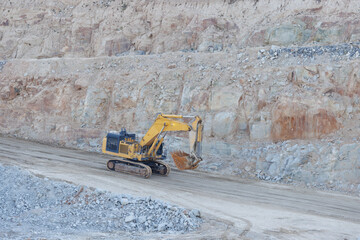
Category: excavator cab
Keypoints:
(114, 140)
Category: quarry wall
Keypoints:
(277, 84)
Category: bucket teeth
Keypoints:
(184, 161)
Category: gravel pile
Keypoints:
(41, 208)
(351, 50)
(324, 164)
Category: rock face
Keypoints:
(256, 72)
(68, 99)
(107, 28)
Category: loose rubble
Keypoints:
(323, 164)
(32, 207)
(351, 50)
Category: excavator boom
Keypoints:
(167, 123)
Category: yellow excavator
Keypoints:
(144, 158)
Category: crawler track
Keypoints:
(143, 169)
(159, 167)
(130, 167)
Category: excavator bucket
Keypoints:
(185, 161)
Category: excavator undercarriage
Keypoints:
(143, 169)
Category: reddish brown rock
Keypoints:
(116, 46)
(208, 22)
(257, 38)
(190, 38)
(353, 85)
(83, 35)
(9, 93)
(44, 102)
(125, 103)
(294, 120)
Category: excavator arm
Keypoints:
(172, 123)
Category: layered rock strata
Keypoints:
(258, 73)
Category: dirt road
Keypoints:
(233, 208)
